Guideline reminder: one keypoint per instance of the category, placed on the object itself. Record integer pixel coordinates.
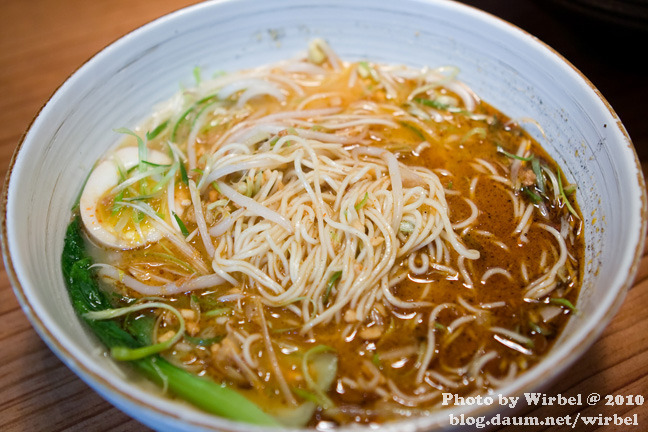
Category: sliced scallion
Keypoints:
(537, 170)
(183, 174)
(331, 283)
(563, 196)
(217, 312)
(141, 146)
(183, 228)
(514, 156)
(414, 129)
(203, 341)
(155, 132)
(375, 359)
(325, 364)
(432, 103)
(534, 197)
(563, 302)
(361, 204)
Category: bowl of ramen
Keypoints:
(285, 215)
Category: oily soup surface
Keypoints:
(342, 241)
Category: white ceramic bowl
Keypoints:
(507, 67)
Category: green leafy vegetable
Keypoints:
(86, 297)
(127, 353)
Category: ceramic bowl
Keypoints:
(506, 66)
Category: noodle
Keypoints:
(347, 239)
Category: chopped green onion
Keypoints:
(306, 395)
(316, 54)
(196, 74)
(183, 228)
(366, 71)
(204, 341)
(538, 329)
(564, 196)
(183, 174)
(480, 131)
(563, 302)
(439, 326)
(141, 146)
(514, 156)
(273, 141)
(375, 359)
(362, 202)
(570, 189)
(155, 132)
(153, 164)
(537, 170)
(166, 179)
(432, 103)
(117, 202)
(138, 198)
(172, 258)
(182, 118)
(326, 367)
(534, 197)
(138, 217)
(331, 283)
(414, 129)
(185, 115)
(217, 312)
(218, 203)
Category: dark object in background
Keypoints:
(628, 13)
(604, 39)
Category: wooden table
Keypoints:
(43, 41)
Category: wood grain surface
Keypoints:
(43, 41)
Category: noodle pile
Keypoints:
(383, 212)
